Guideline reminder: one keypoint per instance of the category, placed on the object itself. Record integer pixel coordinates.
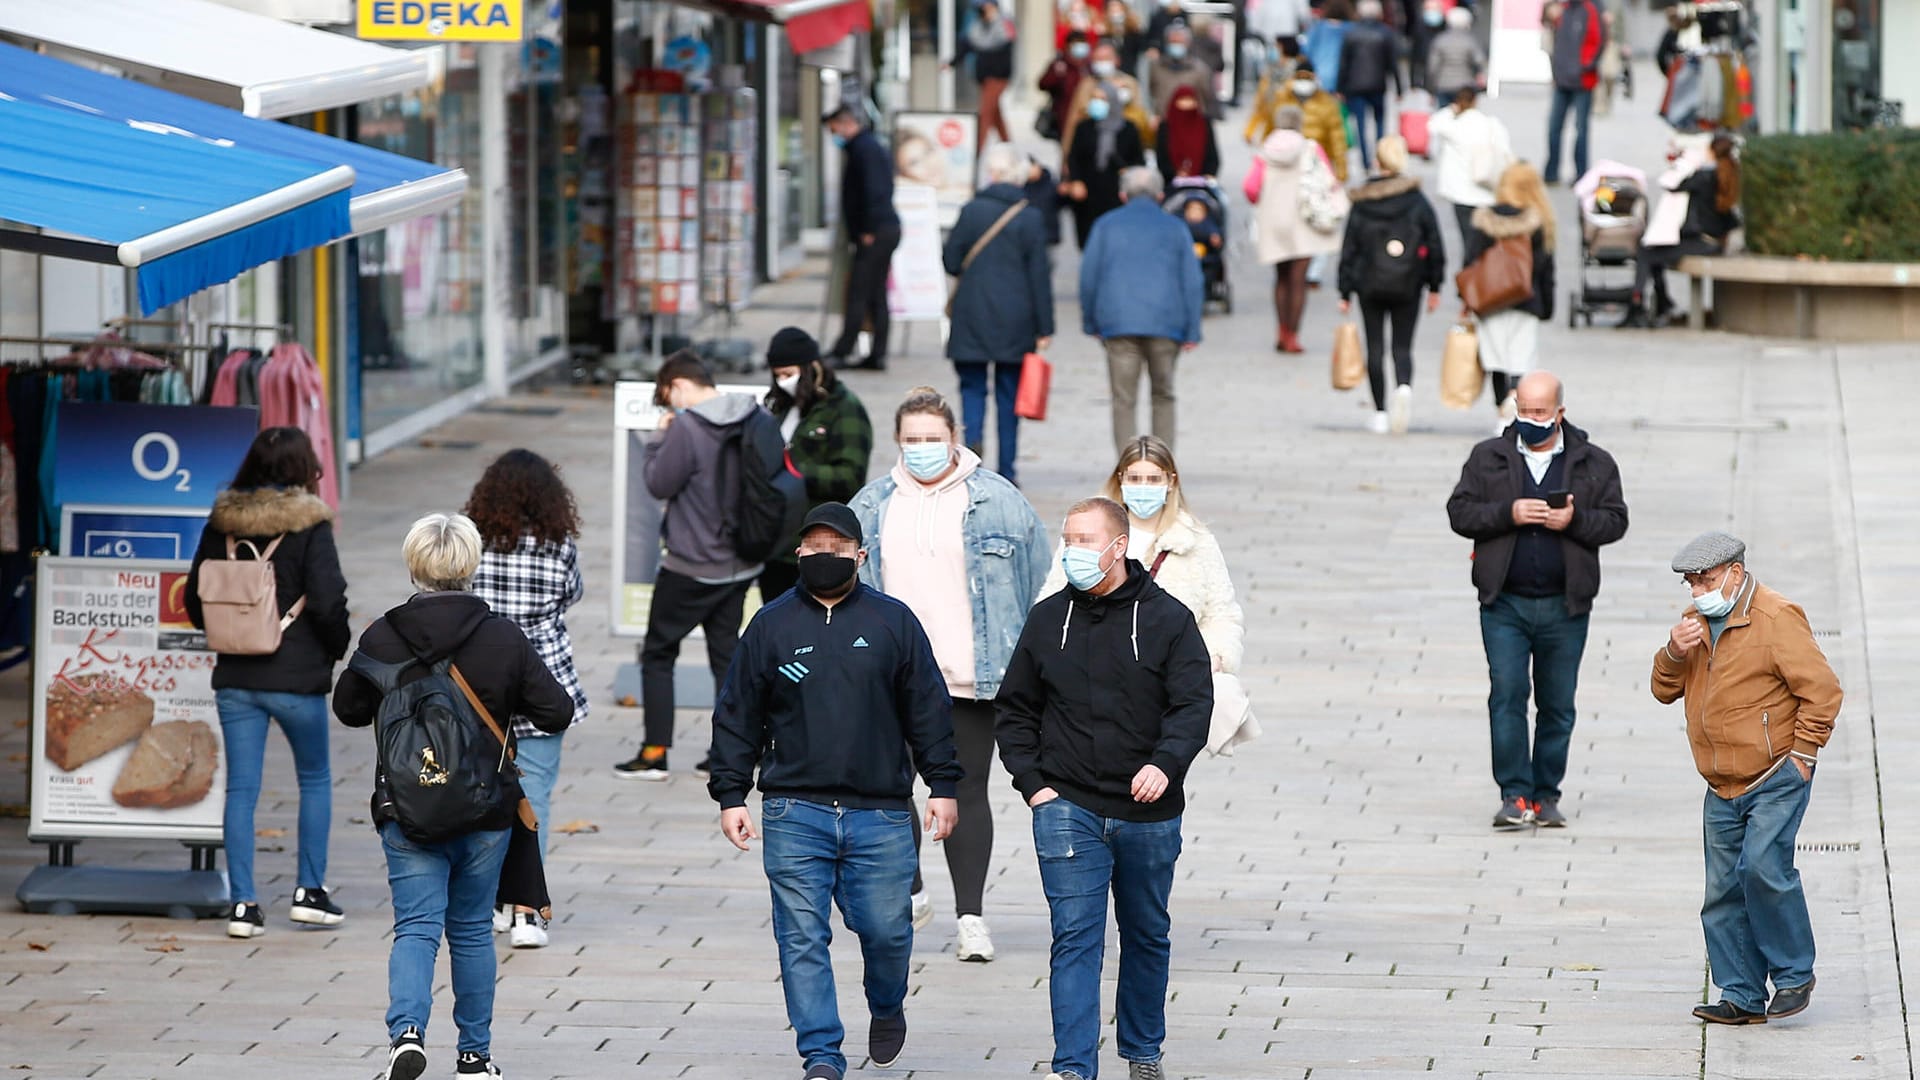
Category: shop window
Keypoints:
(1858, 99)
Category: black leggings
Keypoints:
(970, 848)
(1373, 316)
(1503, 384)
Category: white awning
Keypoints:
(260, 66)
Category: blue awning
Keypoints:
(188, 193)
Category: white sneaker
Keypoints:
(1509, 409)
(922, 909)
(527, 933)
(502, 919)
(975, 943)
(1401, 405)
(1377, 423)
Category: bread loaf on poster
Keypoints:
(88, 715)
(172, 766)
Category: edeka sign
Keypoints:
(441, 20)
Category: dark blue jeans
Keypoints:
(1361, 105)
(973, 407)
(1533, 649)
(443, 889)
(1755, 914)
(1083, 856)
(818, 856)
(1581, 102)
(245, 716)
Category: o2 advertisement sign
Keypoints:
(126, 455)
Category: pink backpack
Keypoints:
(240, 602)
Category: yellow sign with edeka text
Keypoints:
(442, 20)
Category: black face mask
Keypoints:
(827, 575)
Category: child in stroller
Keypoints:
(1613, 218)
(1200, 203)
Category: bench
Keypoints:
(1778, 296)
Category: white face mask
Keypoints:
(1303, 88)
(789, 385)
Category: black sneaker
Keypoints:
(473, 1064)
(885, 1040)
(643, 767)
(704, 770)
(312, 906)
(408, 1057)
(1547, 815)
(246, 921)
(1514, 813)
(1789, 1002)
(1728, 1013)
(823, 1072)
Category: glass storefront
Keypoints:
(421, 282)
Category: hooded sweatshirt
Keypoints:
(924, 536)
(695, 465)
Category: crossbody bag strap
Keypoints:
(525, 809)
(993, 231)
(1154, 570)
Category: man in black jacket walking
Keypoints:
(873, 230)
(835, 695)
(1105, 705)
(1369, 59)
(1538, 501)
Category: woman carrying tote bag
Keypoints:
(1510, 336)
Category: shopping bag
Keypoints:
(1460, 374)
(1413, 124)
(1502, 277)
(1349, 357)
(1036, 379)
(1232, 722)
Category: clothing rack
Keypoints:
(72, 345)
(284, 330)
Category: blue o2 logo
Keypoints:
(159, 444)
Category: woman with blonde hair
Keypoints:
(1180, 552)
(1510, 338)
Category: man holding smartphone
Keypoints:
(1538, 501)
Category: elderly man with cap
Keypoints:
(1761, 701)
(835, 696)
(1538, 501)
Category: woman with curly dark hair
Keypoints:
(530, 573)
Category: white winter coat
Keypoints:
(1195, 573)
(1280, 229)
(1470, 149)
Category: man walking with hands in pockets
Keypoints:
(835, 695)
(1104, 706)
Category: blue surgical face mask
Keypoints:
(1433, 18)
(1079, 50)
(1534, 433)
(1083, 566)
(1144, 500)
(1097, 109)
(839, 140)
(1714, 603)
(1177, 50)
(1103, 68)
(927, 460)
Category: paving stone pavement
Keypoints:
(1341, 910)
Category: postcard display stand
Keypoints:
(686, 206)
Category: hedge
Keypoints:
(1848, 196)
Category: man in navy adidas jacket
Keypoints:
(835, 695)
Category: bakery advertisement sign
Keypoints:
(126, 739)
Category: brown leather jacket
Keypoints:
(1763, 691)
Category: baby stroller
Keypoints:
(1613, 217)
(1209, 232)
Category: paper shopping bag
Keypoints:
(1460, 374)
(1036, 379)
(1349, 357)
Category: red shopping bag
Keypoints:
(1036, 378)
(1413, 128)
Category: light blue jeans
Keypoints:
(443, 888)
(539, 759)
(244, 717)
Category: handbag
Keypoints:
(1502, 277)
(1460, 374)
(1323, 202)
(1232, 722)
(981, 244)
(1036, 379)
(1349, 358)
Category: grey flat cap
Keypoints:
(1708, 550)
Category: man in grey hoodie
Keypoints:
(693, 462)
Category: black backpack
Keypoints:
(771, 498)
(1393, 256)
(444, 767)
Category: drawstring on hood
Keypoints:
(927, 499)
(1133, 634)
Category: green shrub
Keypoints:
(1849, 196)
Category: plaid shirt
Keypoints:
(534, 585)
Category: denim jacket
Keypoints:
(1007, 558)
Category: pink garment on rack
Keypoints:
(226, 386)
(292, 394)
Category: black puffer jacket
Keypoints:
(1005, 298)
(492, 653)
(1393, 246)
(305, 564)
(1490, 224)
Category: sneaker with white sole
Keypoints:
(1400, 408)
(1377, 423)
(246, 921)
(407, 1058)
(527, 932)
(922, 909)
(475, 1064)
(1145, 1070)
(644, 766)
(314, 908)
(975, 943)
(1065, 1076)
(502, 919)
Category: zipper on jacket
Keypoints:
(1767, 732)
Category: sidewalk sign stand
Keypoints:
(917, 281)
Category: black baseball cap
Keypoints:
(833, 516)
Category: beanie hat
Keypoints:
(792, 347)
